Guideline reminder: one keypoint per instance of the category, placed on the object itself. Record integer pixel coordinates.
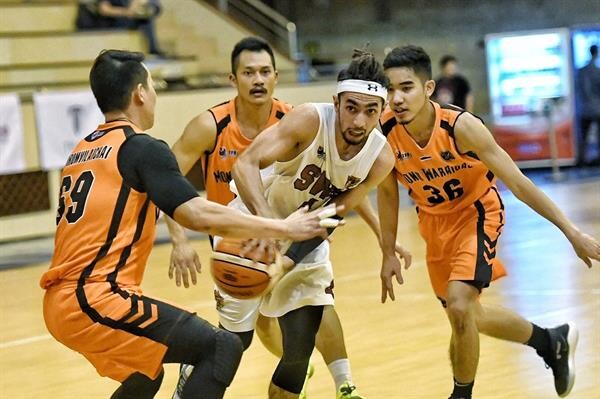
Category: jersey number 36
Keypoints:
(451, 188)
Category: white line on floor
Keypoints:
(24, 341)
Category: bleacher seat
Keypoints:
(40, 48)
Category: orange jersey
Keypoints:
(439, 178)
(105, 229)
(229, 144)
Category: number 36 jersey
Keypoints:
(439, 178)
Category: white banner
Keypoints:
(63, 119)
(12, 152)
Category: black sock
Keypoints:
(540, 340)
(462, 391)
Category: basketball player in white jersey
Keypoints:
(232, 126)
(320, 153)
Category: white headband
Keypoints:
(362, 86)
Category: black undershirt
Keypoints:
(147, 165)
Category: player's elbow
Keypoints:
(522, 187)
(194, 215)
(239, 172)
(235, 170)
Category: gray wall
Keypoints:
(456, 27)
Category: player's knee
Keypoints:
(290, 375)
(459, 313)
(244, 336)
(138, 386)
(298, 351)
(154, 385)
(298, 344)
(228, 353)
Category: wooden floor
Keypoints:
(397, 350)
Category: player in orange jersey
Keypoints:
(112, 186)
(217, 137)
(449, 161)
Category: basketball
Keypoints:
(241, 277)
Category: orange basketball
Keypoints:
(239, 277)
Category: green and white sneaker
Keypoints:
(309, 373)
(348, 391)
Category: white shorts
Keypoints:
(309, 283)
(304, 285)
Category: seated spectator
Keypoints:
(121, 14)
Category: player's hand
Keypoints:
(586, 247)
(404, 254)
(390, 267)
(277, 270)
(257, 249)
(302, 225)
(184, 264)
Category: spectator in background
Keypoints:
(451, 87)
(588, 106)
(121, 14)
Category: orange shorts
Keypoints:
(462, 245)
(120, 332)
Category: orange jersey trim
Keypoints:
(229, 144)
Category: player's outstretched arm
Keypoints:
(202, 215)
(367, 213)
(387, 204)
(147, 165)
(381, 168)
(184, 263)
(472, 135)
(197, 138)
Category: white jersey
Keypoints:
(318, 174)
(314, 177)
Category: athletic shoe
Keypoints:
(309, 373)
(563, 341)
(348, 391)
(184, 373)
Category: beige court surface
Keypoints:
(397, 349)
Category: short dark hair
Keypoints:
(254, 44)
(413, 57)
(447, 59)
(594, 50)
(113, 77)
(364, 66)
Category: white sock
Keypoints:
(340, 371)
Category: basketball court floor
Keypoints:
(397, 349)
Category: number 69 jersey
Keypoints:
(439, 178)
(104, 228)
